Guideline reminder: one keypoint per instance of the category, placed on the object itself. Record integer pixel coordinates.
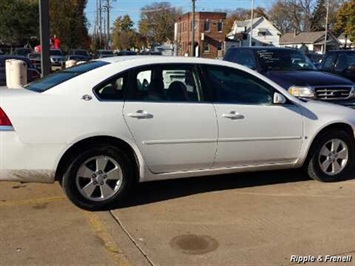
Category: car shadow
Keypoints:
(157, 191)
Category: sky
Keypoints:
(133, 7)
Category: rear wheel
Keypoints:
(332, 157)
(98, 177)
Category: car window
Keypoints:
(344, 61)
(56, 52)
(167, 83)
(245, 58)
(329, 62)
(230, 85)
(283, 59)
(112, 89)
(54, 79)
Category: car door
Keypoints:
(173, 126)
(252, 130)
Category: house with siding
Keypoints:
(314, 41)
(261, 31)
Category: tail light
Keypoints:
(4, 120)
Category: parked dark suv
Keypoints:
(341, 62)
(292, 70)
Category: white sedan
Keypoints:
(102, 126)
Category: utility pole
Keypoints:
(326, 28)
(44, 36)
(251, 23)
(193, 29)
(107, 9)
(100, 23)
(108, 24)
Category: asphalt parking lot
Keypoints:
(266, 218)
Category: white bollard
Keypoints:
(16, 73)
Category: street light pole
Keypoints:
(108, 24)
(193, 29)
(44, 36)
(251, 23)
(326, 28)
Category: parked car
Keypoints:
(22, 51)
(84, 54)
(32, 72)
(125, 52)
(340, 62)
(57, 59)
(150, 53)
(36, 60)
(104, 53)
(97, 130)
(77, 58)
(295, 72)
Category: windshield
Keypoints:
(55, 52)
(56, 78)
(81, 52)
(284, 60)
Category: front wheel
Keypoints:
(332, 157)
(98, 177)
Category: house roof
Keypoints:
(247, 23)
(304, 37)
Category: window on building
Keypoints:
(194, 25)
(206, 47)
(220, 26)
(207, 25)
(219, 46)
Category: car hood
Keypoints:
(306, 78)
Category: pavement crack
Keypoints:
(132, 239)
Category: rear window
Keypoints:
(54, 79)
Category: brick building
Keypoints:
(209, 35)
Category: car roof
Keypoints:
(161, 59)
(341, 52)
(265, 48)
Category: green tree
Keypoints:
(19, 21)
(68, 22)
(318, 17)
(157, 22)
(124, 36)
(302, 15)
(345, 20)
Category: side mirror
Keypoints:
(279, 98)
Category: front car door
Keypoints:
(172, 124)
(252, 130)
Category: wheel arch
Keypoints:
(336, 126)
(68, 156)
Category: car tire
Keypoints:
(332, 157)
(98, 178)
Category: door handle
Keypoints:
(140, 114)
(233, 115)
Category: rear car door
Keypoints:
(170, 121)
